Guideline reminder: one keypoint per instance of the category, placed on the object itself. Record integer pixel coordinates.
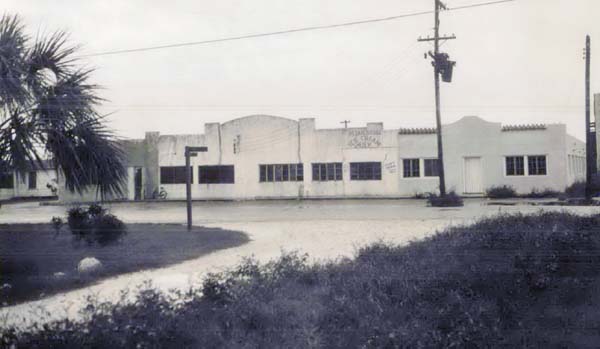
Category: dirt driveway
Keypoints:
(324, 229)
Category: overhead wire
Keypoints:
(288, 31)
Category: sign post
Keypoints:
(190, 152)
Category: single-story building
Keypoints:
(37, 182)
(269, 157)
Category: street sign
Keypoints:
(196, 149)
(190, 152)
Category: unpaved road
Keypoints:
(323, 229)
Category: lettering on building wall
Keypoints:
(390, 167)
(236, 144)
(363, 138)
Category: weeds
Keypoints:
(501, 192)
(541, 194)
(509, 281)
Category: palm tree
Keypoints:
(48, 110)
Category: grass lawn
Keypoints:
(510, 281)
(32, 254)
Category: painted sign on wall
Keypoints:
(390, 166)
(364, 138)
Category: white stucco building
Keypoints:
(268, 157)
(34, 183)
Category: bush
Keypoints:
(78, 220)
(108, 228)
(96, 210)
(57, 223)
(451, 199)
(501, 192)
(508, 281)
(541, 194)
(577, 189)
(95, 223)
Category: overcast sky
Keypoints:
(518, 62)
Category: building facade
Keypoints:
(268, 157)
(35, 183)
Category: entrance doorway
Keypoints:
(138, 184)
(473, 176)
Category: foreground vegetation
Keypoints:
(37, 260)
(509, 281)
(575, 190)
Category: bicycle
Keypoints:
(159, 194)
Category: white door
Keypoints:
(473, 176)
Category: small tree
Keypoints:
(47, 109)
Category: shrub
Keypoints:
(107, 228)
(78, 220)
(541, 194)
(501, 192)
(507, 281)
(96, 210)
(95, 223)
(577, 189)
(57, 223)
(451, 199)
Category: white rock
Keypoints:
(59, 275)
(88, 265)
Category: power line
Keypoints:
(288, 31)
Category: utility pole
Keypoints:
(441, 65)
(588, 136)
(345, 122)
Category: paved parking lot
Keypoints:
(325, 229)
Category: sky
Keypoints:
(517, 62)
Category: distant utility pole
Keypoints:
(441, 65)
(588, 136)
(345, 122)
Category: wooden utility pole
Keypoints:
(441, 65)
(345, 122)
(588, 136)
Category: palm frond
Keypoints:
(54, 117)
(49, 54)
(12, 62)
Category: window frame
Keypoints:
(277, 173)
(372, 168)
(437, 167)
(412, 168)
(545, 167)
(526, 170)
(222, 176)
(175, 168)
(514, 165)
(327, 171)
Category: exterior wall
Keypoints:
(348, 145)
(576, 160)
(21, 186)
(272, 140)
(418, 146)
(474, 137)
(251, 141)
(139, 154)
